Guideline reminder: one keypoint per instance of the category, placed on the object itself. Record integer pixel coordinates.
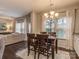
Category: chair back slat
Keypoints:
(30, 38)
(52, 33)
(42, 39)
(43, 32)
(30, 35)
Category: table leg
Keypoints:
(56, 46)
(52, 52)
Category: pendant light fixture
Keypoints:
(51, 14)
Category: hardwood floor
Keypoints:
(10, 50)
(20, 48)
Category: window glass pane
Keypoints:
(61, 27)
(18, 26)
(49, 25)
(23, 30)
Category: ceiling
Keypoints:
(17, 8)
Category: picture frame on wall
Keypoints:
(3, 27)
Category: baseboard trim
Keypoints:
(15, 43)
(65, 49)
(60, 48)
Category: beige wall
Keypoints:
(36, 22)
(77, 21)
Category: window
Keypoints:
(20, 27)
(62, 26)
(49, 25)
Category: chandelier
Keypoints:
(51, 14)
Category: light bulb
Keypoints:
(46, 15)
(56, 14)
(52, 12)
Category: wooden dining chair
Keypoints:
(43, 32)
(56, 42)
(52, 33)
(32, 44)
(44, 47)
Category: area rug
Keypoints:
(60, 55)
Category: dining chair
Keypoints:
(43, 32)
(52, 33)
(44, 47)
(32, 44)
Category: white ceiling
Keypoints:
(17, 8)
